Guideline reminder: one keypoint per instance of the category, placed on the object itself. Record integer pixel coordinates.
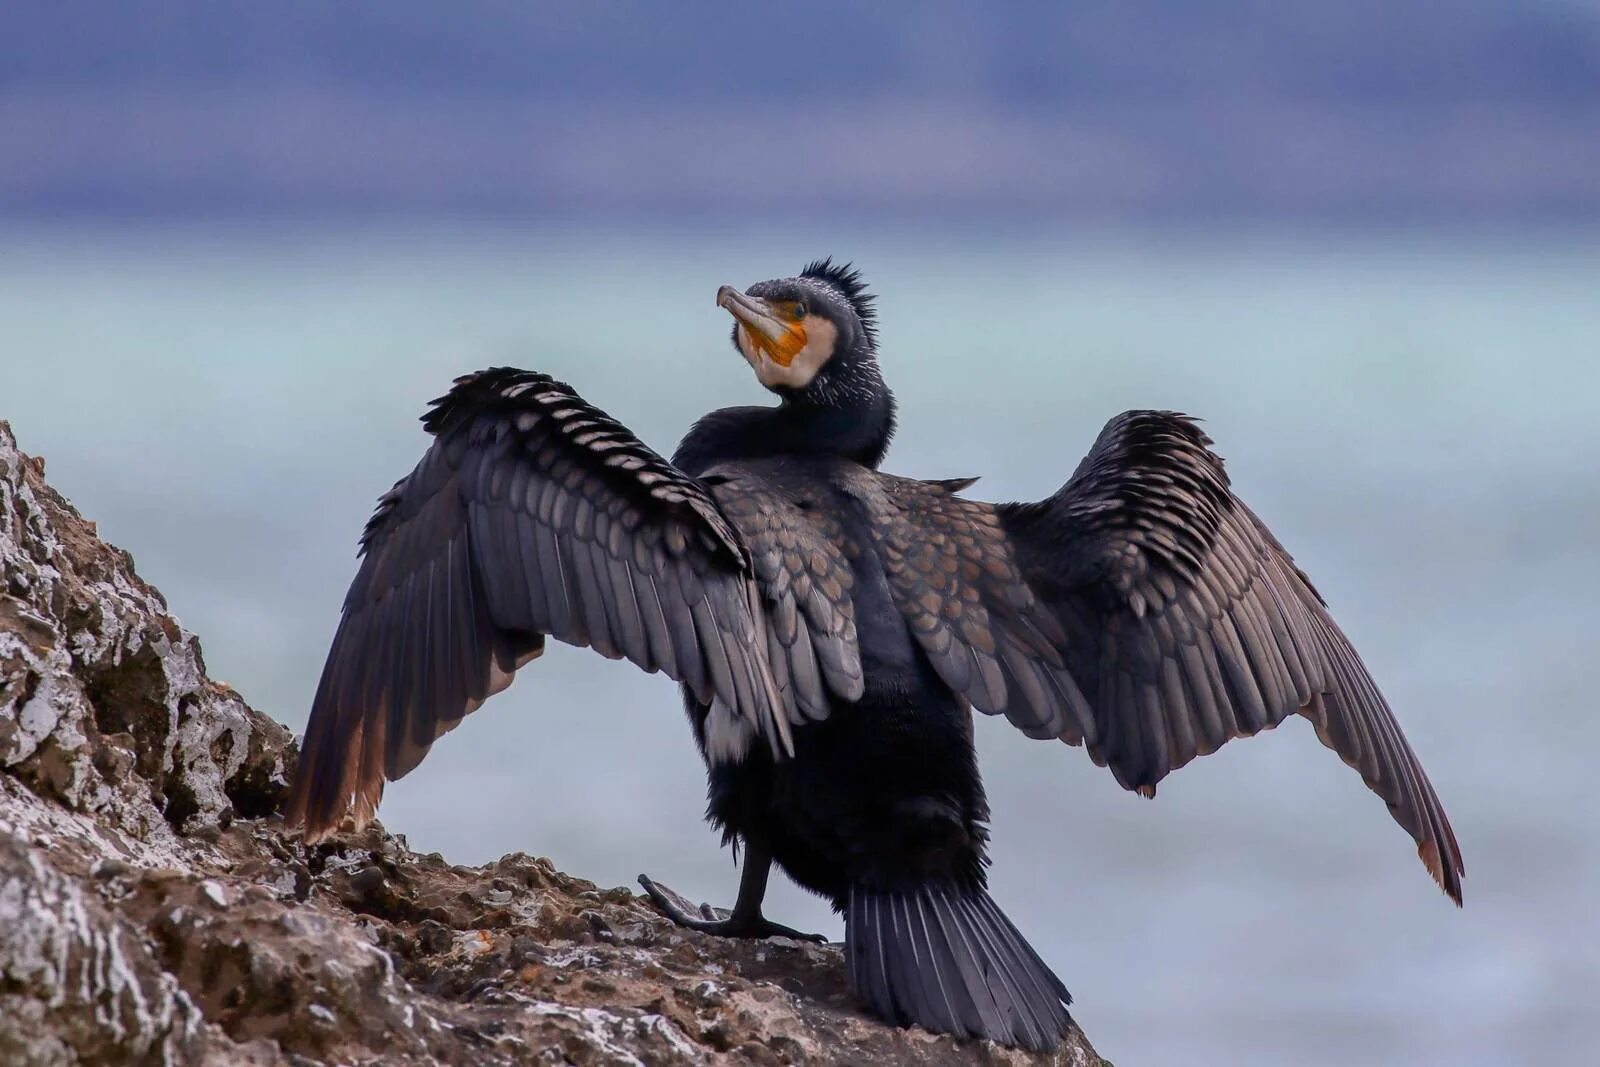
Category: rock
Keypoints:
(153, 910)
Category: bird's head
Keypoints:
(806, 337)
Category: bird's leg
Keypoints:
(745, 920)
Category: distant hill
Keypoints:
(1478, 109)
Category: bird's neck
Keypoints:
(856, 428)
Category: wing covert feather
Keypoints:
(798, 558)
(955, 578)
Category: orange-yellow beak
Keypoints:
(771, 328)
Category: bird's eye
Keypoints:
(800, 309)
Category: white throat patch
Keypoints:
(821, 338)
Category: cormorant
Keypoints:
(833, 627)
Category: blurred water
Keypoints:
(1414, 416)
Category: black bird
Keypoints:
(834, 626)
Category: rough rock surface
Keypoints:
(152, 909)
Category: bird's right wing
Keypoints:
(532, 514)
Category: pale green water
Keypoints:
(1415, 417)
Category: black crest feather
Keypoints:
(847, 279)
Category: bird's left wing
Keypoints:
(1188, 625)
(1144, 612)
(532, 514)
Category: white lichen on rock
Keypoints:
(88, 654)
(79, 982)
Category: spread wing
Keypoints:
(1145, 612)
(533, 514)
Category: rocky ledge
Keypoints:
(153, 911)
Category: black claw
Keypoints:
(716, 921)
(671, 904)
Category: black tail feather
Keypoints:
(948, 960)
